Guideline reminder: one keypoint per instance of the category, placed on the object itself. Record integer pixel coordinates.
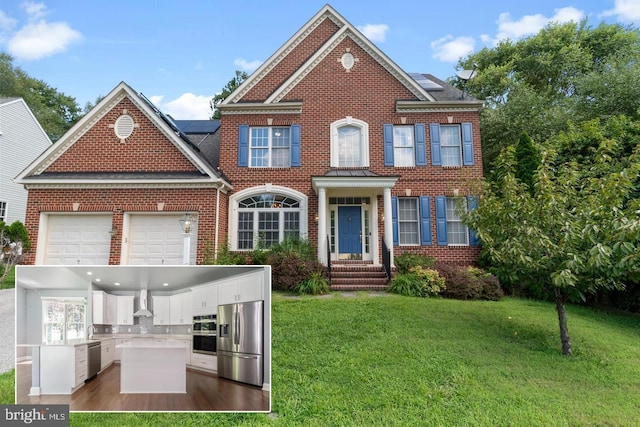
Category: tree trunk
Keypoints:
(562, 320)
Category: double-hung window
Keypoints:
(457, 232)
(62, 319)
(451, 144)
(3, 211)
(408, 225)
(270, 147)
(403, 146)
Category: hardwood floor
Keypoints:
(205, 392)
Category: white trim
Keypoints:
(364, 140)
(234, 199)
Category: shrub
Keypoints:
(404, 262)
(225, 257)
(418, 282)
(465, 282)
(316, 284)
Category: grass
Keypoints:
(395, 360)
(9, 281)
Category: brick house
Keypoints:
(328, 140)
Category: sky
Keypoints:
(180, 54)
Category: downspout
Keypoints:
(215, 238)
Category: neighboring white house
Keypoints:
(22, 140)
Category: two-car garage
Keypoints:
(85, 239)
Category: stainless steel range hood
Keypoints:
(142, 309)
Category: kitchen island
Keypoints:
(150, 366)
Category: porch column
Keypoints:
(322, 225)
(388, 221)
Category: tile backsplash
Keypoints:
(143, 325)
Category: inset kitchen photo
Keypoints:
(144, 338)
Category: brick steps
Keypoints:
(357, 276)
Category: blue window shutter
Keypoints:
(472, 202)
(295, 145)
(441, 220)
(425, 220)
(243, 146)
(421, 145)
(434, 131)
(467, 144)
(394, 220)
(388, 144)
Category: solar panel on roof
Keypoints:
(424, 82)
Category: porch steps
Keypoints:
(357, 276)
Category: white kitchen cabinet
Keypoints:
(181, 309)
(242, 289)
(205, 300)
(107, 352)
(104, 308)
(124, 310)
(208, 362)
(161, 310)
(63, 368)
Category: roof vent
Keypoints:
(124, 127)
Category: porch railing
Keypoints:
(386, 259)
(329, 260)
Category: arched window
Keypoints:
(349, 143)
(264, 218)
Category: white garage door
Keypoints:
(158, 240)
(78, 240)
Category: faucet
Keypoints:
(91, 329)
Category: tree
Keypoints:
(566, 72)
(13, 240)
(55, 111)
(240, 77)
(577, 232)
(527, 161)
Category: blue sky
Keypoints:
(180, 53)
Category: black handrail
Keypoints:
(329, 260)
(386, 259)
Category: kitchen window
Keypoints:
(63, 319)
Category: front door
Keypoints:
(349, 232)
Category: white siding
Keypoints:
(22, 140)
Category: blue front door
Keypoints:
(349, 230)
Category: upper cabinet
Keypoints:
(104, 308)
(241, 289)
(161, 310)
(181, 309)
(124, 310)
(204, 300)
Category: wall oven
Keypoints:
(204, 334)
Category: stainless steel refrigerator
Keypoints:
(240, 342)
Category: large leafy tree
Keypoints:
(240, 77)
(55, 111)
(578, 231)
(564, 72)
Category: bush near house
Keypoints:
(316, 284)
(406, 261)
(418, 282)
(467, 282)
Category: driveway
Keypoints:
(7, 329)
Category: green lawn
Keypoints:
(392, 360)
(9, 281)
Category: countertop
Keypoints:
(152, 344)
(102, 337)
(68, 343)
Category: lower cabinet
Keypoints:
(117, 355)
(107, 353)
(63, 368)
(204, 361)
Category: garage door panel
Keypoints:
(158, 240)
(78, 239)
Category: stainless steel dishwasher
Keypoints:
(94, 360)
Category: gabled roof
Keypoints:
(206, 174)
(346, 29)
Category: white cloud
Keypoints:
(449, 49)
(42, 39)
(35, 10)
(7, 25)
(626, 11)
(186, 107)
(530, 24)
(375, 32)
(247, 65)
